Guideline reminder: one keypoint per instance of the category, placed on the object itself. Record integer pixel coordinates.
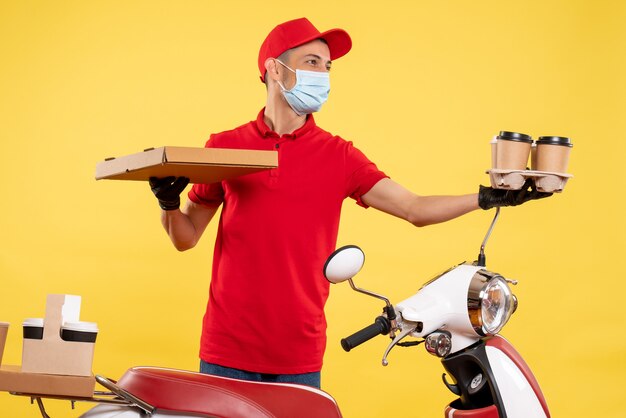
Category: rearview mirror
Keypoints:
(344, 264)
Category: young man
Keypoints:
(265, 315)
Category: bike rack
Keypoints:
(116, 396)
(127, 396)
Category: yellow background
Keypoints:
(426, 86)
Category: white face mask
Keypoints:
(309, 93)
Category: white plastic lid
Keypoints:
(33, 322)
(81, 326)
(4, 324)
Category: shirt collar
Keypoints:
(267, 132)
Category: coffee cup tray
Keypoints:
(50, 364)
(545, 181)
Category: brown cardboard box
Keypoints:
(201, 165)
(13, 379)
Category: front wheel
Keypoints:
(120, 411)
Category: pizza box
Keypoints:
(200, 165)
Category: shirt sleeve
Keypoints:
(207, 194)
(361, 174)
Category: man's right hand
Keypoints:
(167, 190)
(489, 197)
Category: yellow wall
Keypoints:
(426, 86)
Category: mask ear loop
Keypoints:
(285, 65)
(281, 86)
(289, 68)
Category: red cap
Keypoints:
(298, 32)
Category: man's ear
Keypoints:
(271, 68)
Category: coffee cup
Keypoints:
(84, 332)
(533, 156)
(494, 151)
(553, 153)
(33, 328)
(4, 331)
(513, 150)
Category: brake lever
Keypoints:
(395, 341)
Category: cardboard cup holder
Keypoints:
(52, 354)
(545, 181)
(57, 352)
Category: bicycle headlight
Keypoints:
(490, 303)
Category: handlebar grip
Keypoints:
(380, 326)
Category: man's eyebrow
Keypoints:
(315, 56)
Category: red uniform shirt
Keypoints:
(266, 305)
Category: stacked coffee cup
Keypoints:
(4, 330)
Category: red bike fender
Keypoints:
(504, 346)
(487, 412)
